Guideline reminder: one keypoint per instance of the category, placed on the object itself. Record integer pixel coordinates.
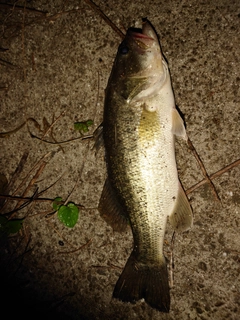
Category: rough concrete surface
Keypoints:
(60, 62)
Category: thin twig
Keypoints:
(60, 142)
(18, 170)
(51, 126)
(8, 64)
(41, 16)
(112, 266)
(52, 136)
(192, 148)
(22, 206)
(37, 125)
(105, 18)
(43, 159)
(51, 185)
(6, 134)
(15, 7)
(85, 153)
(15, 175)
(23, 49)
(74, 187)
(78, 249)
(213, 176)
(31, 183)
(4, 89)
(59, 234)
(34, 199)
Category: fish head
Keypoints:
(139, 63)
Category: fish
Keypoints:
(142, 187)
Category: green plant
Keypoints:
(67, 214)
(8, 227)
(82, 126)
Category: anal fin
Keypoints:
(111, 210)
(181, 217)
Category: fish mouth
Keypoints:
(145, 38)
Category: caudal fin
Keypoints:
(149, 282)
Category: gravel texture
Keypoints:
(56, 66)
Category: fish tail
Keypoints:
(144, 281)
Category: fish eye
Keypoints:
(123, 49)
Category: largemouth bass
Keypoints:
(140, 121)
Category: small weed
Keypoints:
(8, 227)
(83, 126)
(67, 214)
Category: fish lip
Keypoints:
(145, 38)
(139, 35)
(143, 41)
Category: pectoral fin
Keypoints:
(181, 218)
(111, 210)
(178, 127)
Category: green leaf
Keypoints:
(14, 225)
(68, 214)
(89, 123)
(83, 125)
(9, 226)
(57, 203)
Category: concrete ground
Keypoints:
(56, 67)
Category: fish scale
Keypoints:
(142, 188)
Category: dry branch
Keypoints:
(105, 18)
(207, 178)
(213, 176)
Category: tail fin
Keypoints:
(139, 281)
